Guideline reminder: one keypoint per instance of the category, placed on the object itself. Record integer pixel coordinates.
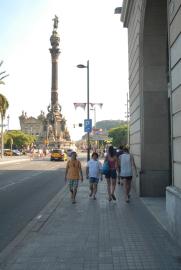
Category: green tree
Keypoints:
(19, 138)
(3, 108)
(119, 135)
(2, 74)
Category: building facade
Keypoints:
(154, 40)
(34, 126)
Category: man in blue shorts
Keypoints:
(93, 172)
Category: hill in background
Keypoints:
(108, 124)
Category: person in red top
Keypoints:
(73, 173)
(111, 176)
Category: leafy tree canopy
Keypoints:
(19, 138)
(3, 106)
(119, 135)
(2, 74)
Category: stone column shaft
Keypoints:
(54, 87)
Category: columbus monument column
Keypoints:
(55, 122)
(55, 51)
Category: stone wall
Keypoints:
(34, 126)
(175, 69)
(154, 37)
(149, 110)
(131, 17)
(173, 195)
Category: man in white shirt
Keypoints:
(93, 172)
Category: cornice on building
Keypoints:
(126, 11)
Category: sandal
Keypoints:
(113, 197)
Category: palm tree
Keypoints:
(3, 108)
(2, 74)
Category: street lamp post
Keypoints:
(2, 125)
(88, 135)
(2, 140)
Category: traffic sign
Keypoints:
(87, 125)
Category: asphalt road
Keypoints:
(25, 188)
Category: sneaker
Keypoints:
(90, 195)
(113, 197)
(73, 201)
(94, 197)
(110, 199)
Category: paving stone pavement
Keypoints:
(97, 235)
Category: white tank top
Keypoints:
(126, 165)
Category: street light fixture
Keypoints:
(88, 135)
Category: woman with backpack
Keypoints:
(111, 174)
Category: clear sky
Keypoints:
(89, 30)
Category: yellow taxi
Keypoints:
(58, 154)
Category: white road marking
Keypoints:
(8, 185)
(20, 181)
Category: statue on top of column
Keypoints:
(55, 25)
(55, 39)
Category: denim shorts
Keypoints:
(93, 180)
(111, 174)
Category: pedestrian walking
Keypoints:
(32, 153)
(73, 173)
(120, 152)
(44, 151)
(111, 175)
(93, 173)
(126, 165)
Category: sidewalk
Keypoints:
(13, 159)
(94, 235)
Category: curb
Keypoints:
(33, 226)
(13, 161)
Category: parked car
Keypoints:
(58, 154)
(16, 152)
(8, 152)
